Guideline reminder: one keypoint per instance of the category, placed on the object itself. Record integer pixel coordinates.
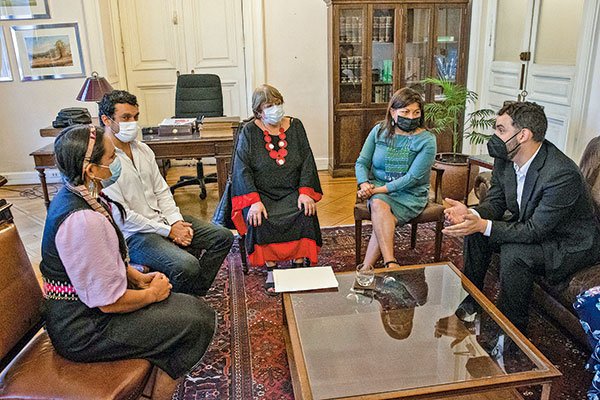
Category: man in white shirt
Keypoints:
(187, 250)
(538, 214)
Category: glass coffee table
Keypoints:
(402, 340)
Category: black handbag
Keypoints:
(222, 215)
(72, 116)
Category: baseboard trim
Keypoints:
(322, 163)
(31, 177)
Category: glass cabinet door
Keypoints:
(382, 54)
(416, 48)
(446, 50)
(351, 55)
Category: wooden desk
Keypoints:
(216, 143)
(481, 160)
(215, 140)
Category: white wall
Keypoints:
(296, 64)
(25, 107)
(591, 122)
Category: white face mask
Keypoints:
(128, 131)
(273, 114)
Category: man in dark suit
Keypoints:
(538, 214)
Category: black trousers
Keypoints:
(519, 263)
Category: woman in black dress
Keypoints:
(275, 187)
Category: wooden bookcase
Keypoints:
(376, 47)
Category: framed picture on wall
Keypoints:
(5, 73)
(24, 9)
(48, 51)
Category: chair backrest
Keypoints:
(198, 95)
(20, 293)
(590, 168)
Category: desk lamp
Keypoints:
(94, 88)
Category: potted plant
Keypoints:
(446, 118)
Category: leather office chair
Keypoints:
(198, 95)
(433, 212)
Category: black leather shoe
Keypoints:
(467, 309)
(504, 350)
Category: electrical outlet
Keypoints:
(53, 175)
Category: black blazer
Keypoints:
(556, 212)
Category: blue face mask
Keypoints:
(115, 170)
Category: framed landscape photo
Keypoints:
(24, 9)
(5, 73)
(48, 51)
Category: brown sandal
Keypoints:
(387, 264)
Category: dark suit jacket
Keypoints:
(556, 212)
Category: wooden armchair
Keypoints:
(433, 212)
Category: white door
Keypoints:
(162, 38)
(214, 44)
(534, 52)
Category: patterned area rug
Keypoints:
(247, 359)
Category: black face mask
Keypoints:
(408, 124)
(497, 147)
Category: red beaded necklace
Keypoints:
(277, 155)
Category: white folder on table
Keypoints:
(307, 278)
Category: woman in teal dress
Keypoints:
(393, 171)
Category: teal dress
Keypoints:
(403, 166)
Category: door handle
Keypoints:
(522, 95)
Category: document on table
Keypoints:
(308, 278)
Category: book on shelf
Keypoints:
(218, 123)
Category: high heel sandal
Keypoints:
(270, 285)
(387, 264)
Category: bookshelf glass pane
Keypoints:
(382, 47)
(350, 51)
(416, 61)
(446, 54)
(448, 37)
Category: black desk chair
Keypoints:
(198, 95)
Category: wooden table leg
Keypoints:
(546, 391)
(222, 171)
(42, 175)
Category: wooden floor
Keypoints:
(29, 212)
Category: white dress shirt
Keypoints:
(144, 194)
(521, 174)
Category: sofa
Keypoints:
(30, 368)
(557, 300)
